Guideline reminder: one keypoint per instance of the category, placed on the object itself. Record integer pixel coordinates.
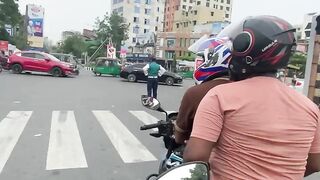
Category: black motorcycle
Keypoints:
(174, 153)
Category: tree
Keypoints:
(114, 27)
(9, 13)
(4, 35)
(299, 60)
(187, 57)
(199, 172)
(75, 45)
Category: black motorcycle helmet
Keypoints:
(260, 45)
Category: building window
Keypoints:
(184, 7)
(221, 7)
(191, 1)
(147, 11)
(195, 12)
(228, 8)
(136, 9)
(136, 19)
(117, 1)
(194, 22)
(222, 1)
(136, 30)
(147, 21)
(148, 2)
(134, 40)
(184, 0)
(177, 8)
(208, 4)
(158, 9)
(190, 7)
(228, 1)
(171, 42)
(156, 28)
(177, 25)
(186, 13)
(212, 13)
(157, 19)
(145, 30)
(227, 15)
(198, 2)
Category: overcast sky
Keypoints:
(63, 15)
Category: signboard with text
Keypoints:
(35, 15)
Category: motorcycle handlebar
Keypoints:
(149, 126)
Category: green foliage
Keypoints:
(199, 172)
(299, 60)
(187, 57)
(75, 45)
(114, 26)
(9, 13)
(4, 35)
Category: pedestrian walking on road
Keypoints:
(153, 70)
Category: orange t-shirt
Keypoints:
(263, 129)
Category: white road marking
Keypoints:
(130, 149)
(65, 148)
(144, 117)
(11, 127)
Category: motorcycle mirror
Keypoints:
(192, 170)
(154, 105)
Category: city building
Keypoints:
(145, 18)
(66, 34)
(183, 15)
(306, 26)
(89, 34)
(170, 44)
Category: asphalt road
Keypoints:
(79, 128)
(90, 147)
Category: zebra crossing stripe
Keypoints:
(65, 148)
(130, 149)
(144, 117)
(11, 127)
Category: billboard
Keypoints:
(4, 46)
(35, 15)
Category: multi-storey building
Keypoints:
(183, 15)
(145, 18)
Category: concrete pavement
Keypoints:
(80, 128)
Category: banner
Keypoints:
(4, 46)
(111, 52)
(35, 15)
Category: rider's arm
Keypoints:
(183, 124)
(313, 161)
(206, 130)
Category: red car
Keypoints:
(40, 62)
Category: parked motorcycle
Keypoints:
(174, 153)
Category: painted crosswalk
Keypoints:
(128, 146)
(11, 127)
(65, 147)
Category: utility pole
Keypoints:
(102, 44)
